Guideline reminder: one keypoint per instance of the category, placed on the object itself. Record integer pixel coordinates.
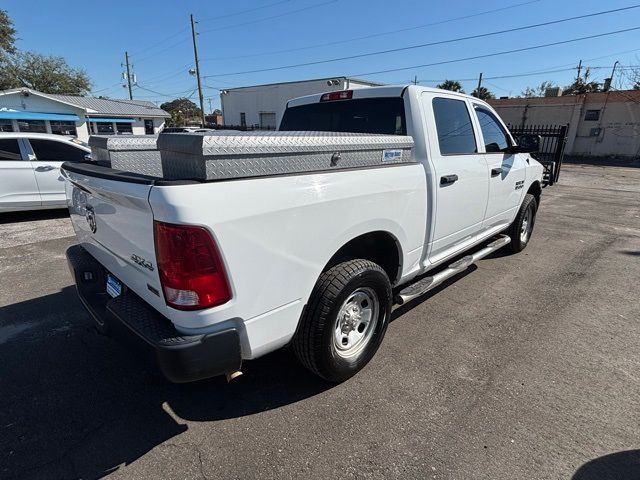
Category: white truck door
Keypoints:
(506, 171)
(48, 156)
(18, 187)
(460, 174)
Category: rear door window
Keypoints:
(52, 151)
(453, 123)
(384, 115)
(9, 149)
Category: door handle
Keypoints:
(44, 168)
(448, 179)
(496, 171)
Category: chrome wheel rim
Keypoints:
(356, 322)
(527, 224)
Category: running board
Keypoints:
(428, 283)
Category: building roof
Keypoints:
(597, 97)
(352, 79)
(100, 106)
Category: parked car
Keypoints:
(288, 246)
(30, 169)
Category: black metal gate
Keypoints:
(551, 150)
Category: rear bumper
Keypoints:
(180, 358)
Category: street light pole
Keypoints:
(195, 54)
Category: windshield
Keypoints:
(384, 115)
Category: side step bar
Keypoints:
(428, 283)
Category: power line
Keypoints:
(249, 10)
(292, 12)
(495, 54)
(380, 34)
(175, 94)
(422, 45)
(155, 44)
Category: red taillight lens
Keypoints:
(191, 271)
(340, 95)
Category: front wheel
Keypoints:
(522, 227)
(345, 320)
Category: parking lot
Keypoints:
(527, 366)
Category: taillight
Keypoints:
(191, 270)
(339, 95)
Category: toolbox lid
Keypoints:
(230, 142)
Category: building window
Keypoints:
(32, 126)
(124, 128)
(6, 125)
(243, 119)
(148, 126)
(592, 115)
(104, 128)
(63, 128)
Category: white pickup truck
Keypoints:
(210, 273)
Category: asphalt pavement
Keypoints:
(525, 367)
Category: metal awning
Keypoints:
(110, 120)
(21, 115)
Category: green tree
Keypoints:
(452, 85)
(7, 34)
(47, 74)
(483, 93)
(538, 91)
(181, 110)
(582, 85)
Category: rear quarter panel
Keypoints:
(277, 234)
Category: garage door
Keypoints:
(268, 120)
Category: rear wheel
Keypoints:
(522, 227)
(345, 320)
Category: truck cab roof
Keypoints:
(372, 92)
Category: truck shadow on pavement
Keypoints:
(616, 466)
(77, 404)
(33, 215)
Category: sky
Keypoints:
(248, 35)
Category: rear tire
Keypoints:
(522, 227)
(345, 320)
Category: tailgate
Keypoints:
(113, 221)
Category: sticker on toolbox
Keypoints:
(391, 155)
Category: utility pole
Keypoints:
(415, 80)
(479, 85)
(210, 106)
(195, 54)
(126, 60)
(579, 68)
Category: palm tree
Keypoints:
(452, 85)
(483, 93)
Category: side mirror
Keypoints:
(87, 157)
(527, 143)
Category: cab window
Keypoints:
(496, 139)
(453, 123)
(50, 150)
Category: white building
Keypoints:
(26, 110)
(602, 124)
(263, 105)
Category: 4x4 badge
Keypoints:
(142, 262)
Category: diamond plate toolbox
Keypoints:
(232, 154)
(131, 153)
